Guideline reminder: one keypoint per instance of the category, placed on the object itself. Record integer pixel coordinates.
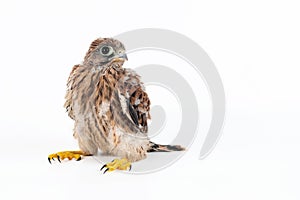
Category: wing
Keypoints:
(130, 103)
(139, 107)
(70, 85)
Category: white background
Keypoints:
(255, 46)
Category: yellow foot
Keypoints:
(120, 164)
(66, 154)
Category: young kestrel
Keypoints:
(110, 108)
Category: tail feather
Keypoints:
(164, 148)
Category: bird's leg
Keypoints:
(120, 164)
(67, 154)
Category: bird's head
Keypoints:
(104, 51)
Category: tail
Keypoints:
(164, 148)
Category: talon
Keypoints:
(60, 156)
(105, 171)
(130, 167)
(102, 167)
(117, 164)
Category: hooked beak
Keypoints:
(123, 55)
(119, 57)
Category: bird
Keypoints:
(110, 108)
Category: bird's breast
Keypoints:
(94, 92)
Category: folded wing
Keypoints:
(130, 104)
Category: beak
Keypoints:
(123, 55)
(119, 57)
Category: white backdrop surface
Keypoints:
(255, 46)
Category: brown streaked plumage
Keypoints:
(109, 105)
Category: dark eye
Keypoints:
(106, 50)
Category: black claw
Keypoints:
(105, 171)
(129, 167)
(78, 159)
(58, 159)
(102, 167)
(53, 159)
(113, 160)
(49, 160)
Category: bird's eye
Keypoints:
(106, 50)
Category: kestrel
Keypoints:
(110, 108)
